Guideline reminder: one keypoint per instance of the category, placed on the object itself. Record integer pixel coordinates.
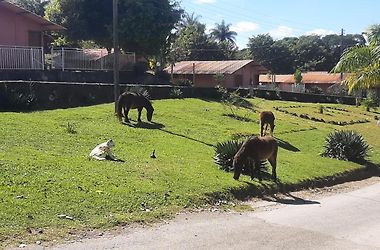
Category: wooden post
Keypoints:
(193, 74)
(116, 53)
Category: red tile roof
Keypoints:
(212, 67)
(317, 77)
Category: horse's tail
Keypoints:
(119, 108)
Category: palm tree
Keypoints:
(189, 20)
(362, 62)
(222, 32)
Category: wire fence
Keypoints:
(17, 57)
(88, 59)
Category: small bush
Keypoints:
(71, 128)
(346, 145)
(371, 102)
(320, 109)
(176, 93)
(139, 90)
(182, 82)
(225, 152)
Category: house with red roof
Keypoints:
(231, 73)
(322, 80)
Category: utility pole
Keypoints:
(193, 74)
(341, 49)
(116, 52)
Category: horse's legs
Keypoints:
(273, 162)
(257, 169)
(126, 111)
(139, 114)
(271, 129)
(266, 128)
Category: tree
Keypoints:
(309, 53)
(274, 55)
(189, 20)
(222, 32)
(192, 43)
(35, 6)
(260, 47)
(144, 26)
(362, 62)
(284, 56)
(298, 76)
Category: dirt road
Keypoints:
(345, 216)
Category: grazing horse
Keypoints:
(266, 118)
(256, 149)
(130, 100)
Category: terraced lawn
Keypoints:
(50, 189)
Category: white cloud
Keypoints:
(244, 27)
(282, 31)
(321, 32)
(204, 1)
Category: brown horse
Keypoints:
(266, 118)
(256, 149)
(130, 100)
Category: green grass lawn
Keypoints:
(45, 171)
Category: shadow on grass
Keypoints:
(286, 145)
(186, 137)
(146, 125)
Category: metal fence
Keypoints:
(88, 59)
(15, 57)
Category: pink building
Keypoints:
(19, 27)
(236, 73)
(322, 80)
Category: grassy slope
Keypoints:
(48, 167)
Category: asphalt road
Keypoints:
(348, 220)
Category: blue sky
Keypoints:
(283, 18)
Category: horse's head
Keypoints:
(149, 114)
(238, 166)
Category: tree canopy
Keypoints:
(308, 53)
(362, 62)
(35, 6)
(222, 32)
(144, 25)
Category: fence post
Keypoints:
(63, 59)
(101, 60)
(31, 58)
(43, 58)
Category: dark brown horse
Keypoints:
(266, 118)
(256, 149)
(130, 100)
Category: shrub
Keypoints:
(182, 82)
(225, 152)
(139, 90)
(176, 93)
(346, 145)
(370, 102)
(320, 109)
(71, 128)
